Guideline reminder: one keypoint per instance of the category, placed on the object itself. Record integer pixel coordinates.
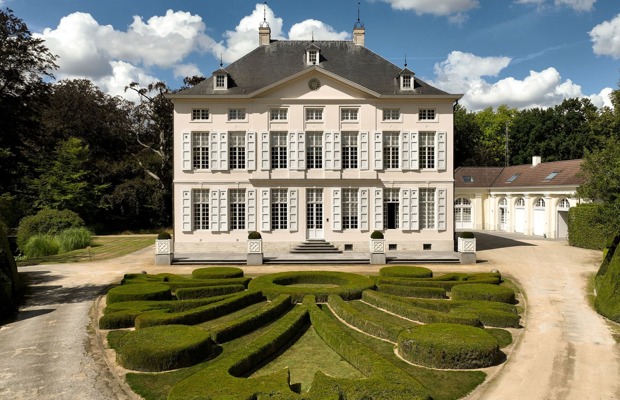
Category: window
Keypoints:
(391, 114)
(314, 114)
(314, 150)
(390, 149)
(462, 211)
(349, 208)
(512, 178)
(237, 209)
(540, 203)
(201, 209)
(426, 114)
(551, 176)
(468, 179)
(236, 150)
(503, 202)
(236, 114)
(278, 114)
(427, 150)
(390, 208)
(349, 150)
(278, 150)
(220, 81)
(520, 202)
(348, 114)
(200, 114)
(406, 82)
(564, 204)
(200, 150)
(313, 57)
(427, 208)
(279, 209)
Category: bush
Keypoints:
(164, 236)
(207, 291)
(139, 291)
(451, 346)
(586, 226)
(217, 273)
(607, 284)
(376, 235)
(254, 235)
(9, 279)
(413, 291)
(481, 291)
(467, 235)
(41, 246)
(406, 272)
(162, 348)
(73, 239)
(46, 222)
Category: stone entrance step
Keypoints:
(315, 247)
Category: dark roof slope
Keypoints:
(558, 173)
(269, 64)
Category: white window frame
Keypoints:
(427, 114)
(238, 209)
(279, 209)
(406, 82)
(391, 150)
(349, 114)
(428, 208)
(237, 114)
(427, 150)
(220, 81)
(350, 150)
(350, 209)
(279, 150)
(278, 114)
(200, 114)
(200, 209)
(200, 150)
(391, 114)
(237, 157)
(314, 114)
(314, 150)
(312, 56)
(391, 195)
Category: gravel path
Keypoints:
(566, 351)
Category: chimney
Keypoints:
(264, 35)
(358, 35)
(536, 160)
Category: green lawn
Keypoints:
(102, 248)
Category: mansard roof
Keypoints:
(279, 60)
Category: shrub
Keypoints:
(376, 235)
(40, 246)
(73, 239)
(207, 291)
(446, 281)
(586, 226)
(164, 236)
(217, 273)
(406, 272)
(467, 235)
(9, 278)
(162, 348)
(413, 291)
(141, 291)
(254, 235)
(607, 283)
(481, 291)
(46, 222)
(449, 346)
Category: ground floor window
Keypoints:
(279, 209)
(350, 203)
(462, 210)
(427, 208)
(237, 209)
(390, 208)
(201, 209)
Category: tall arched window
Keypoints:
(503, 214)
(463, 213)
(564, 204)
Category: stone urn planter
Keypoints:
(164, 249)
(377, 248)
(255, 249)
(466, 247)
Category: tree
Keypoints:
(492, 148)
(467, 137)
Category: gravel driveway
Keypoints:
(566, 351)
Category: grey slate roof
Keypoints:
(279, 60)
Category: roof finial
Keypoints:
(312, 36)
(221, 61)
(405, 60)
(359, 23)
(264, 24)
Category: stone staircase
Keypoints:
(315, 247)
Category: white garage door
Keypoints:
(520, 215)
(539, 217)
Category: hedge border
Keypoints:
(193, 293)
(413, 291)
(398, 271)
(483, 292)
(142, 291)
(217, 273)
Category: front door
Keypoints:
(314, 213)
(503, 218)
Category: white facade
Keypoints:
(312, 156)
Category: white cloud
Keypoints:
(606, 38)
(577, 5)
(184, 70)
(123, 74)
(465, 73)
(602, 99)
(318, 30)
(455, 10)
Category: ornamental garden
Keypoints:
(404, 334)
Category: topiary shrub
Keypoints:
(46, 222)
(254, 235)
(467, 235)
(40, 246)
(483, 291)
(162, 348)
(451, 346)
(376, 235)
(406, 272)
(217, 273)
(164, 236)
(139, 291)
(73, 239)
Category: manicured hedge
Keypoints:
(607, 284)
(221, 379)
(446, 281)
(350, 286)
(142, 291)
(207, 291)
(363, 322)
(176, 281)
(397, 306)
(451, 346)
(586, 227)
(162, 348)
(485, 292)
(413, 291)
(217, 273)
(406, 272)
(250, 322)
(199, 314)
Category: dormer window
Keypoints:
(220, 79)
(312, 55)
(406, 82)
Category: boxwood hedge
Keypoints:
(162, 348)
(207, 291)
(142, 291)
(446, 281)
(452, 346)
(413, 291)
(485, 292)
(217, 273)
(406, 272)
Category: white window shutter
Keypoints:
(441, 151)
(405, 209)
(363, 152)
(415, 218)
(441, 209)
(187, 151)
(251, 209)
(292, 150)
(328, 151)
(223, 211)
(214, 210)
(415, 151)
(337, 209)
(293, 210)
(187, 211)
(301, 151)
(378, 208)
(265, 152)
(378, 151)
(250, 149)
(214, 150)
(364, 208)
(337, 151)
(222, 151)
(265, 209)
(405, 151)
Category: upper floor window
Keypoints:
(236, 150)
(314, 150)
(406, 82)
(314, 114)
(313, 56)
(200, 114)
(390, 149)
(427, 150)
(348, 114)
(278, 114)
(349, 150)
(278, 150)
(220, 81)
(236, 114)
(391, 114)
(200, 150)
(237, 209)
(200, 207)
(426, 114)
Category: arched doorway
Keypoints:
(520, 215)
(539, 217)
(562, 221)
(463, 213)
(503, 214)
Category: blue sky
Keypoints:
(524, 53)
